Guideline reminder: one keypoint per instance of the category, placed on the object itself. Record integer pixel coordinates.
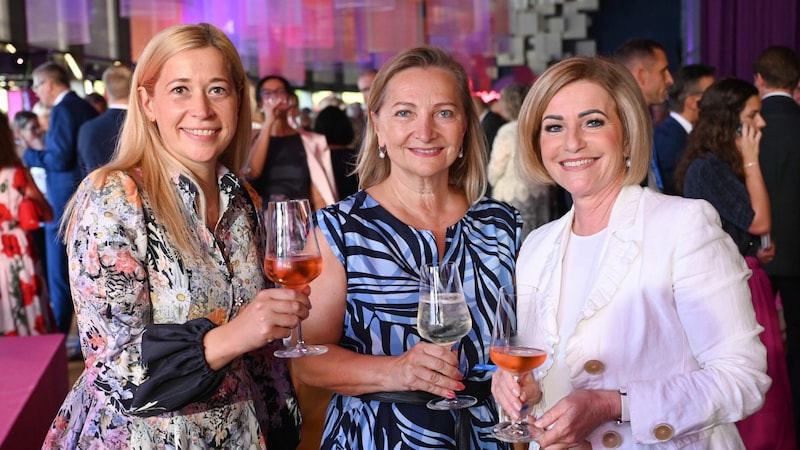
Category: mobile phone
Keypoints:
(739, 129)
(765, 241)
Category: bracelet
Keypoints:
(625, 412)
(751, 164)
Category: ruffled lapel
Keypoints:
(624, 245)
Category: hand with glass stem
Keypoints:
(515, 393)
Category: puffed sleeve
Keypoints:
(178, 371)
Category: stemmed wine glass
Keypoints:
(515, 349)
(292, 258)
(443, 318)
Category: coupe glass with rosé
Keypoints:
(515, 350)
(292, 258)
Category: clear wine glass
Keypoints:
(292, 258)
(515, 349)
(443, 318)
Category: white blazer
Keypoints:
(669, 317)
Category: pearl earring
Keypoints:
(382, 152)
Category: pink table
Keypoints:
(33, 383)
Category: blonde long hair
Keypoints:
(140, 144)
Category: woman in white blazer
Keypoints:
(644, 307)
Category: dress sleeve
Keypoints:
(179, 373)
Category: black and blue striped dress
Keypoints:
(381, 257)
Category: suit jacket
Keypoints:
(668, 316)
(491, 122)
(98, 138)
(669, 140)
(779, 158)
(60, 156)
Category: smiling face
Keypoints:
(421, 122)
(582, 140)
(195, 105)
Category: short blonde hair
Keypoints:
(468, 173)
(140, 144)
(614, 78)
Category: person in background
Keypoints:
(777, 72)
(28, 133)
(166, 252)
(97, 101)
(24, 306)
(721, 166)
(531, 199)
(286, 162)
(97, 138)
(59, 159)
(669, 138)
(490, 121)
(650, 334)
(646, 59)
(364, 82)
(423, 174)
(334, 124)
(42, 111)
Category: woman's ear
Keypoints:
(147, 105)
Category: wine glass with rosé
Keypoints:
(514, 349)
(292, 258)
(443, 318)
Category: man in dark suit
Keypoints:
(647, 61)
(97, 138)
(59, 158)
(777, 71)
(669, 138)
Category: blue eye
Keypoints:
(594, 123)
(553, 128)
(446, 114)
(402, 113)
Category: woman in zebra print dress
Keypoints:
(423, 176)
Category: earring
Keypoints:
(381, 152)
(628, 162)
(461, 152)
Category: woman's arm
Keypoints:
(749, 144)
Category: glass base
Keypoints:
(512, 432)
(460, 402)
(299, 351)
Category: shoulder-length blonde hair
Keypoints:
(140, 144)
(614, 78)
(468, 173)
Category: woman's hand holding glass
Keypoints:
(443, 318)
(516, 351)
(270, 316)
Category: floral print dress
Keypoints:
(24, 307)
(142, 309)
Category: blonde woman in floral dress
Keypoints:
(165, 257)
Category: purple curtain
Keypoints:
(734, 32)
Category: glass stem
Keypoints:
(299, 333)
(515, 422)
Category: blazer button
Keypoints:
(594, 367)
(663, 432)
(612, 439)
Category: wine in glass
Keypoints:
(443, 318)
(292, 258)
(515, 349)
